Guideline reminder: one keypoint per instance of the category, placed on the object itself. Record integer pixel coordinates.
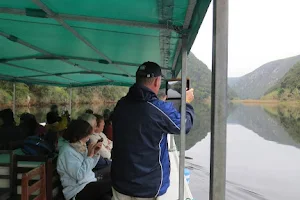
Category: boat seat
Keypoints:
(5, 174)
(29, 189)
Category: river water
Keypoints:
(263, 153)
(263, 150)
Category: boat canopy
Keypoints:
(75, 43)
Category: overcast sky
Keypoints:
(259, 31)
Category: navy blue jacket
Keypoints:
(140, 159)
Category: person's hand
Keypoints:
(190, 95)
(94, 149)
(91, 150)
(97, 147)
(164, 98)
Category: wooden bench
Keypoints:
(54, 187)
(5, 174)
(25, 163)
(39, 185)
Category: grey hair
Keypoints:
(91, 119)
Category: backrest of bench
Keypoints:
(6, 169)
(54, 188)
(23, 164)
(38, 185)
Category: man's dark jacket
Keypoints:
(141, 122)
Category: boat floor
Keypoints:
(173, 191)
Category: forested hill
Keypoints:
(255, 84)
(200, 77)
(43, 95)
(288, 88)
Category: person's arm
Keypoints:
(170, 122)
(174, 116)
(107, 142)
(75, 167)
(104, 152)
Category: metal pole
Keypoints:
(70, 101)
(219, 100)
(183, 118)
(14, 99)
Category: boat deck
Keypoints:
(173, 191)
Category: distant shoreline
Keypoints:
(9, 105)
(259, 101)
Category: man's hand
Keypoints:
(190, 95)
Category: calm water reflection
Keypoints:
(263, 153)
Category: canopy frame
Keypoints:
(76, 34)
(26, 44)
(58, 16)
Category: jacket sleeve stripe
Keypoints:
(163, 114)
(159, 157)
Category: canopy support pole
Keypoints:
(14, 98)
(219, 100)
(183, 119)
(70, 100)
(186, 24)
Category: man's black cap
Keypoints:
(148, 70)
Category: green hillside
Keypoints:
(255, 84)
(200, 77)
(44, 95)
(288, 88)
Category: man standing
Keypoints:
(141, 167)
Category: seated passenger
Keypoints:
(92, 120)
(75, 163)
(54, 109)
(108, 129)
(10, 133)
(55, 128)
(98, 134)
(106, 114)
(30, 126)
(55, 123)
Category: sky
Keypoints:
(260, 31)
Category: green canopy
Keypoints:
(73, 43)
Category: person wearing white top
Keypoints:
(107, 144)
(97, 122)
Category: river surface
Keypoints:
(263, 153)
(263, 150)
